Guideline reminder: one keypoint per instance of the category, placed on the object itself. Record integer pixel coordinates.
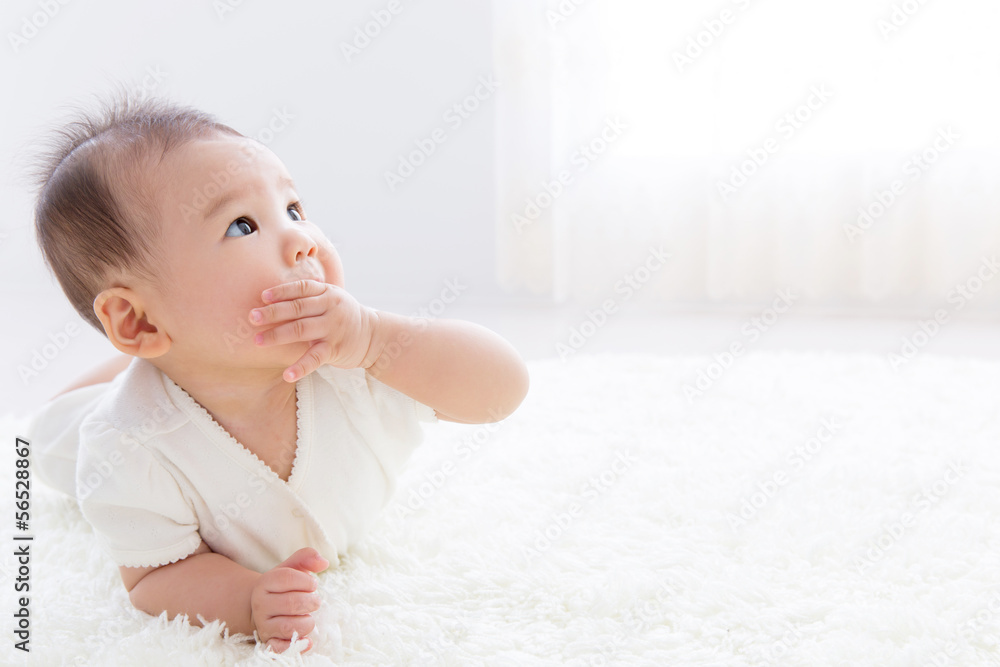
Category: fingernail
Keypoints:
(267, 295)
(255, 316)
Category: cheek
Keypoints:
(335, 273)
(223, 305)
(332, 266)
(328, 257)
(227, 317)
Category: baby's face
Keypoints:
(233, 226)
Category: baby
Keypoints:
(265, 412)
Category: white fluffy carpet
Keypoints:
(806, 509)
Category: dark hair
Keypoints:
(95, 218)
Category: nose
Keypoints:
(298, 245)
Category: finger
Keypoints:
(287, 579)
(290, 604)
(281, 645)
(286, 629)
(293, 290)
(310, 361)
(306, 558)
(278, 645)
(306, 329)
(292, 309)
(282, 627)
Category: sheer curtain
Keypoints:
(846, 152)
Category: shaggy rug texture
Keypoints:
(792, 509)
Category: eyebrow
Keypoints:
(231, 195)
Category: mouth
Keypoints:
(307, 273)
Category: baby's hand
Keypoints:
(339, 328)
(283, 599)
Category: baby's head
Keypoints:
(163, 227)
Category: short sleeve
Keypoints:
(359, 388)
(135, 506)
(54, 431)
(390, 401)
(387, 419)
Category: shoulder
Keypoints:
(135, 410)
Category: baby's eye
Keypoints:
(244, 227)
(297, 209)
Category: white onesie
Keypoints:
(154, 474)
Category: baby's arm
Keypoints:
(273, 603)
(464, 371)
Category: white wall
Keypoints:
(352, 121)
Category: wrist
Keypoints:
(253, 630)
(392, 334)
(372, 323)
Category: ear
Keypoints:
(125, 322)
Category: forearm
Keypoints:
(461, 369)
(105, 372)
(208, 584)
